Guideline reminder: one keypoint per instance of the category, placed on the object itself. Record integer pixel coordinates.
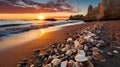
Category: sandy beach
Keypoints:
(11, 57)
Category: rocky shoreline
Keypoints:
(89, 47)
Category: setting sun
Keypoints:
(41, 17)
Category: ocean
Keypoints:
(17, 32)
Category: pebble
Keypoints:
(69, 40)
(56, 61)
(74, 50)
(80, 58)
(64, 64)
(37, 52)
(115, 51)
(98, 56)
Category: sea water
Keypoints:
(17, 32)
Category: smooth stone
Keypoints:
(115, 51)
(56, 61)
(80, 58)
(32, 65)
(63, 64)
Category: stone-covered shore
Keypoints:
(89, 47)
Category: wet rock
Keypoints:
(110, 54)
(36, 52)
(98, 56)
(95, 49)
(22, 64)
(115, 51)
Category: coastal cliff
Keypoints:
(106, 10)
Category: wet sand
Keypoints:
(11, 57)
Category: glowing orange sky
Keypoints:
(57, 15)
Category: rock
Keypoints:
(56, 61)
(91, 40)
(63, 64)
(80, 58)
(115, 51)
(81, 52)
(65, 48)
(68, 52)
(53, 46)
(77, 64)
(55, 56)
(110, 54)
(69, 40)
(36, 52)
(77, 45)
(87, 38)
(86, 47)
(70, 64)
(95, 49)
(98, 56)
(32, 65)
(89, 57)
(22, 64)
(101, 41)
(48, 65)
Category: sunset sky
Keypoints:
(31, 9)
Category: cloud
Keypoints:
(29, 6)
